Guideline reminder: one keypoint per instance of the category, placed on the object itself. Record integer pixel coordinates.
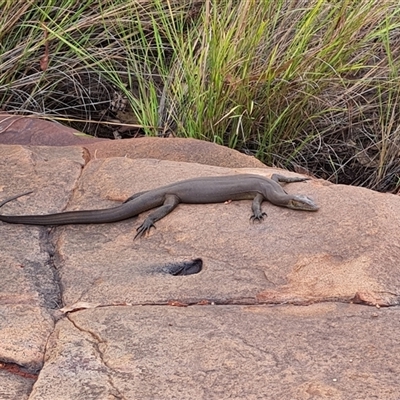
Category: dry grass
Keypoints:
(310, 84)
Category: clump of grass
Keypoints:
(310, 84)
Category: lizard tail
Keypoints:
(13, 198)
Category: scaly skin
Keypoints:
(216, 189)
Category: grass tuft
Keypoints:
(301, 84)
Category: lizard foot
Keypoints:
(144, 228)
(258, 217)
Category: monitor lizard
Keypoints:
(215, 189)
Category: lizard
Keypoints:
(216, 189)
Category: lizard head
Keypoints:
(300, 202)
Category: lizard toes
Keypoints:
(144, 228)
(258, 217)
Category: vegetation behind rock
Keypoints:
(308, 85)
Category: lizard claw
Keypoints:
(144, 228)
(259, 217)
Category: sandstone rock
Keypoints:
(35, 131)
(324, 351)
(293, 256)
(174, 149)
(28, 281)
(13, 386)
(39, 132)
(88, 306)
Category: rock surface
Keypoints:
(219, 352)
(90, 310)
(35, 131)
(38, 132)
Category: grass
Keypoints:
(301, 84)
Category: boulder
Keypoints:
(271, 313)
